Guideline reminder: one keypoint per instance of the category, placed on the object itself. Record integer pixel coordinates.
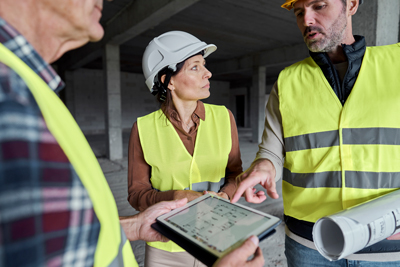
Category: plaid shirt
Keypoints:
(46, 215)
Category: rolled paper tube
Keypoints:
(347, 232)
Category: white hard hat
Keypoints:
(169, 49)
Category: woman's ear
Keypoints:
(170, 84)
(163, 78)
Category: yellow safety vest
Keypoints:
(173, 168)
(339, 156)
(113, 248)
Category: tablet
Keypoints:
(211, 227)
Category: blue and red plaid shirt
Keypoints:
(46, 215)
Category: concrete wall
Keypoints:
(232, 100)
(136, 99)
(85, 95)
(378, 22)
(219, 94)
(364, 21)
(245, 92)
(88, 99)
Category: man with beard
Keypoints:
(332, 117)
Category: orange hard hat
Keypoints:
(289, 4)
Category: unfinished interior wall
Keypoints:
(86, 88)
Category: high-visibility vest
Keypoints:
(339, 156)
(113, 248)
(173, 168)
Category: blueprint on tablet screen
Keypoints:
(215, 224)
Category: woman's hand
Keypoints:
(189, 194)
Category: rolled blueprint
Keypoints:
(346, 232)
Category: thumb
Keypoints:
(249, 247)
(180, 203)
(175, 203)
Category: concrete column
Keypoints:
(70, 92)
(387, 29)
(257, 100)
(378, 21)
(113, 120)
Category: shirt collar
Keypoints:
(17, 44)
(199, 112)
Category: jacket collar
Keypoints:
(354, 53)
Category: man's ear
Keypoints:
(353, 6)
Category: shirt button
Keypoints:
(189, 138)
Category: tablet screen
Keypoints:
(215, 223)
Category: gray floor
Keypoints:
(116, 174)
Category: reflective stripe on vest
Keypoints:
(354, 136)
(340, 155)
(173, 168)
(351, 136)
(354, 179)
(119, 259)
(205, 186)
(111, 247)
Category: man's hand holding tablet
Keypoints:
(239, 256)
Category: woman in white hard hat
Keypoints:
(186, 147)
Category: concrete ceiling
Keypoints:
(248, 33)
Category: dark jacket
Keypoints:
(355, 53)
